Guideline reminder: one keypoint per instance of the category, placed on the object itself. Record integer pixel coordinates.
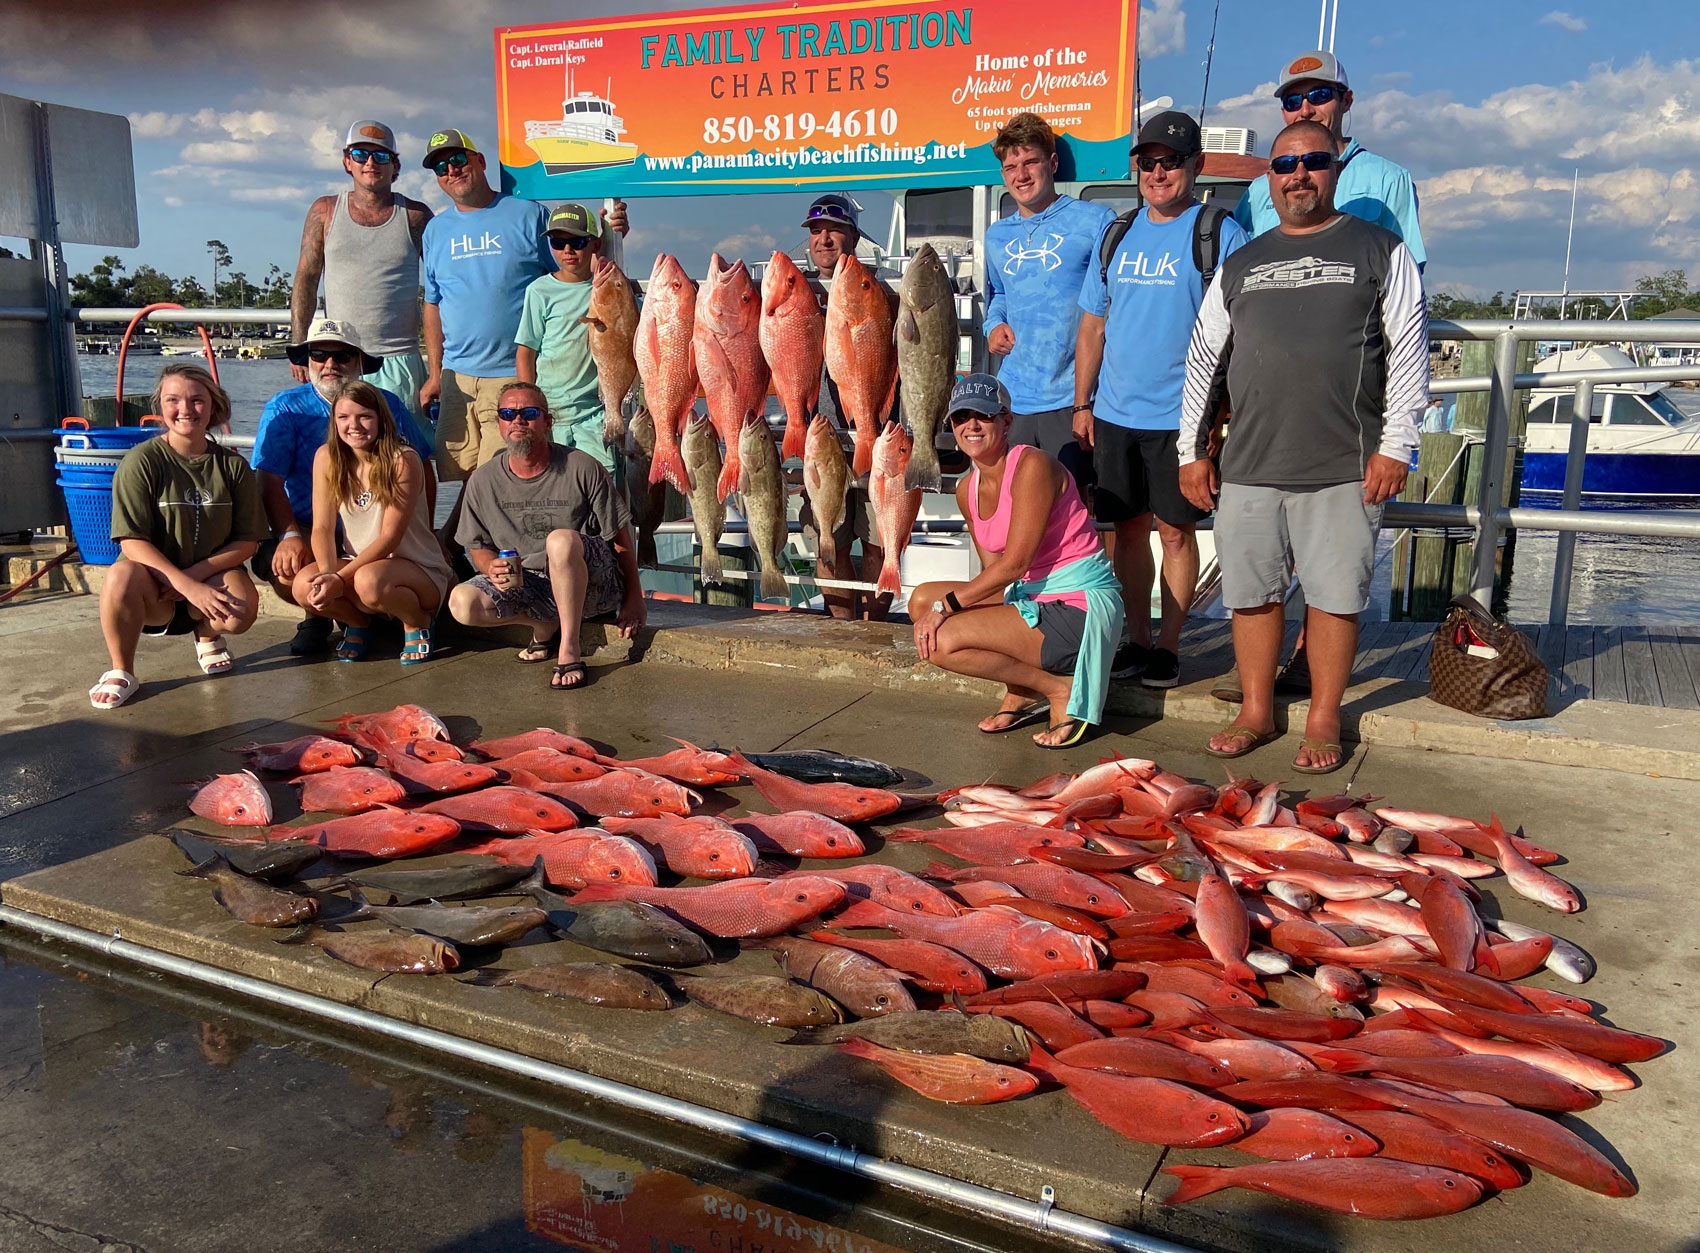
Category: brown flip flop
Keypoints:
(1246, 739)
(1315, 746)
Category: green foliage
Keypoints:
(1665, 292)
(108, 285)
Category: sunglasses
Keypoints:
(342, 356)
(377, 156)
(1315, 162)
(458, 160)
(829, 213)
(578, 243)
(531, 413)
(1293, 101)
(1171, 162)
(962, 416)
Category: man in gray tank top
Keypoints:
(365, 244)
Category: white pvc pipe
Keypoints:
(1015, 1210)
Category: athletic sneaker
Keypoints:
(1130, 661)
(312, 637)
(1162, 669)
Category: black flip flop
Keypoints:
(1073, 737)
(1023, 716)
(538, 650)
(566, 668)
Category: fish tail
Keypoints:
(534, 882)
(201, 870)
(710, 564)
(1196, 1181)
(647, 555)
(864, 455)
(487, 978)
(667, 465)
(613, 426)
(301, 934)
(773, 583)
(826, 550)
(796, 436)
(858, 1047)
(891, 579)
(923, 471)
(729, 472)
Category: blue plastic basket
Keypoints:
(106, 436)
(90, 508)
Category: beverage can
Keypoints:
(511, 556)
(432, 410)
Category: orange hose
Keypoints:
(124, 347)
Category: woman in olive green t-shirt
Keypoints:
(186, 514)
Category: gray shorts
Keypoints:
(604, 593)
(1052, 431)
(1061, 628)
(1327, 533)
(857, 523)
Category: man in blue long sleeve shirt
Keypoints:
(1313, 88)
(1036, 259)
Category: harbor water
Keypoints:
(1618, 580)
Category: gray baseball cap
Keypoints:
(979, 393)
(367, 133)
(1323, 67)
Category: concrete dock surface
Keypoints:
(83, 789)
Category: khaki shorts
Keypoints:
(467, 435)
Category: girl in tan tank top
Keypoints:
(389, 562)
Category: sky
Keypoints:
(237, 111)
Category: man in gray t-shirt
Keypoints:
(560, 511)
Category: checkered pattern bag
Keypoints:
(1484, 666)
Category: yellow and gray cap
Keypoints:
(446, 141)
(369, 134)
(574, 219)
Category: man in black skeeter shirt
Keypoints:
(1322, 330)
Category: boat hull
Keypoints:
(1621, 476)
(567, 156)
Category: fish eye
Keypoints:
(1092, 899)
(1447, 1183)
(1051, 953)
(1212, 1116)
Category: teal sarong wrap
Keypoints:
(1104, 613)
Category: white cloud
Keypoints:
(1558, 17)
(1162, 28)
(755, 245)
(274, 194)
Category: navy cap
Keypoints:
(979, 393)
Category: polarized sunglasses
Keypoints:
(829, 213)
(1319, 96)
(1315, 162)
(458, 160)
(342, 356)
(531, 413)
(1171, 162)
(578, 243)
(377, 156)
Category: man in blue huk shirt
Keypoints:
(1312, 87)
(1035, 261)
(1138, 303)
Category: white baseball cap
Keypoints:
(369, 133)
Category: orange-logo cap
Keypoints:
(371, 132)
(1302, 65)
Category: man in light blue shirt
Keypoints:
(1136, 321)
(1036, 259)
(479, 259)
(1313, 88)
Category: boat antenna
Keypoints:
(1569, 237)
(1333, 24)
(1209, 55)
(1321, 23)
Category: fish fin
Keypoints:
(534, 882)
(923, 471)
(863, 460)
(201, 870)
(907, 327)
(710, 566)
(890, 580)
(773, 584)
(858, 1047)
(1196, 1181)
(299, 935)
(795, 442)
(957, 1003)
(811, 1035)
(937, 870)
(252, 746)
(489, 977)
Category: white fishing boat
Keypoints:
(1641, 447)
(587, 136)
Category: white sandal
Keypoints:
(214, 655)
(119, 683)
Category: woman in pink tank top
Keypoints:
(1033, 619)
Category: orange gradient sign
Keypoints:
(805, 97)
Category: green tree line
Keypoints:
(1662, 293)
(109, 284)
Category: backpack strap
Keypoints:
(1207, 241)
(1106, 250)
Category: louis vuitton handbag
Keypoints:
(1484, 666)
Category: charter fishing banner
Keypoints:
(808, 97)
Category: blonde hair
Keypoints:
(196, 374)
(382, 477)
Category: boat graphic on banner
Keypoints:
(587, 136)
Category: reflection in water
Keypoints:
(177, 1084)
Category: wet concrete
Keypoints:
(91, 782)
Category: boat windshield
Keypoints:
(1662, 405)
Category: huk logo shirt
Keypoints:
(477, 267)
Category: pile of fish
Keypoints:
(732, 342)
(1310, 983)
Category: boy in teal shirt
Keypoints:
(553, 346)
